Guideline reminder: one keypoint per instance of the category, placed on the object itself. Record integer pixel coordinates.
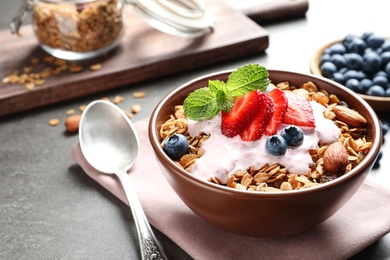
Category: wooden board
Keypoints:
(144, 54)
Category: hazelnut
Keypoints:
(72, 123)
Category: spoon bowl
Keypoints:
(110, 144)
(107, 138)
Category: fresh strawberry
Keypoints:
(245, 108)
(299, 112)
(280, 102)
(255, 129)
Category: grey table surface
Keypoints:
(49, 209)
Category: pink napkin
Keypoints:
(362, 221)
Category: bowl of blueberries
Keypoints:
(359, 62)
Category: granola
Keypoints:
(80, 27)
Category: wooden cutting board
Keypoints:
(144, 54)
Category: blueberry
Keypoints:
(385, 127)
(365, 35)
(380, 80)
(357, 45)
(376, 90)
(324, 58)
(375, 41)
(387, 70)
(353, 74)
(339, 77)
(338, 60)
(293, 135)
(371, 62)
(353, 61)
(378, 158)
(327, 69)
(386, 46)
(385, 56)
(364, 85)
(337, 48)
(387, 92)
(380, 73)
(347, 39)
(352, 84)
(175, 146)
(343, 70)
(276, 145)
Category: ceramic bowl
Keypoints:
(255, 214)
(380, 104)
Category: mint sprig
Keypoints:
(207, 102)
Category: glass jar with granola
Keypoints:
(83, 29)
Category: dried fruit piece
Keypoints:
(72, 123)
(336, 158)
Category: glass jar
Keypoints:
(83, 29)
(78, 29)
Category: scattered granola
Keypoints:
(54, 122)
(136, 109)
(95, 67)
(39, 70)
(350, 149)
(139, 94)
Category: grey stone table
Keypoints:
(49, 209)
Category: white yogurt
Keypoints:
(226, 155)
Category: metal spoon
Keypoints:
(110, 144)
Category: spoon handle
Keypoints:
(150, 247)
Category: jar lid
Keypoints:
(185, 18)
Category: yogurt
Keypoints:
(225, 156)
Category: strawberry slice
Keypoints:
(299, 112)
(280, 102)
(256, 128)
(245, 108)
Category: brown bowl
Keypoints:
(380, 104)
(258, 214)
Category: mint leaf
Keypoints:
(225, 101)
(207, 102)
(216, 85)
(246, 79)
(201, 104)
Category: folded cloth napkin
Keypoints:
(362, 221)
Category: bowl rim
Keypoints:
(315, 69)
(367, 161)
